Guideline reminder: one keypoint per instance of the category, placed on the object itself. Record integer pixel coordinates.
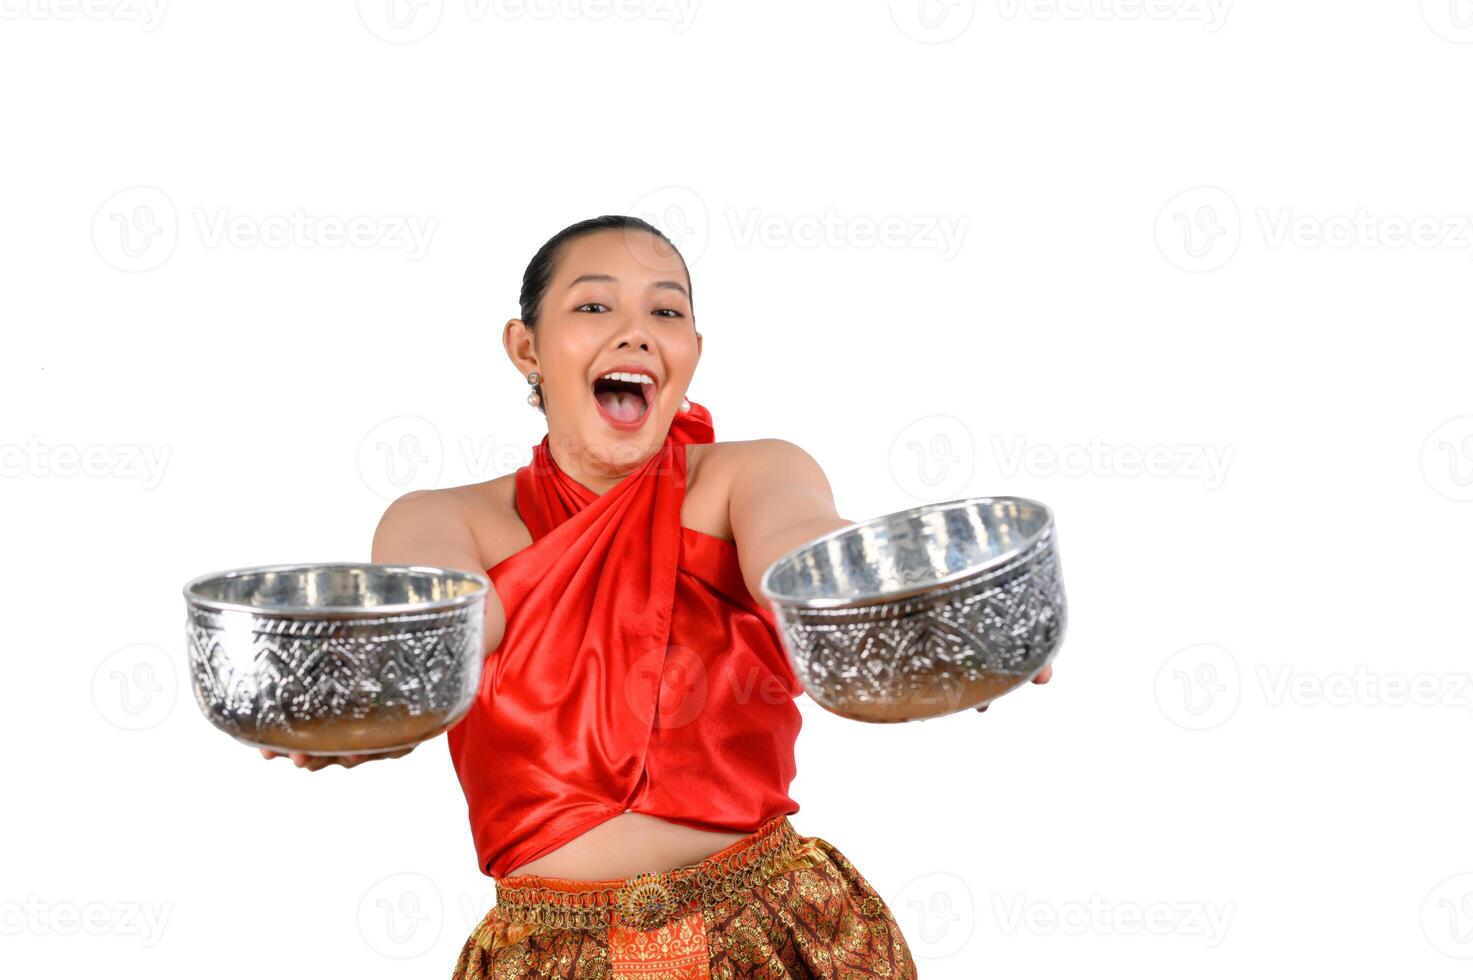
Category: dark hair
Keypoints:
(539, 270)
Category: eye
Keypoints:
(585, 308)
(668, 313)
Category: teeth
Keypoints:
(643, 379)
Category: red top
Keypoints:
(636, 671)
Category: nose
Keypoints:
(633, 334)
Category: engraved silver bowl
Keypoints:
(923, 612)
(336, 658)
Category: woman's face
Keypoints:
(618, 300)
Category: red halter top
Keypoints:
(636, 671)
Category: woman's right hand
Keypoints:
(312, 763)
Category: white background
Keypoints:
(1189, 232)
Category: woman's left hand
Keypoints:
(1042, 678)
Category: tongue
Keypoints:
(624, 406)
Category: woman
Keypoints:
(627, 761)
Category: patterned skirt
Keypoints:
(772, 905)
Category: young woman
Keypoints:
(627, 761)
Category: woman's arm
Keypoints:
(421, 528)
(780, 498)
(427, 527)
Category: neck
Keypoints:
(599, 468)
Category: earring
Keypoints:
(685, 404)
(533, 397)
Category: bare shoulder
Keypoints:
(476, 517)
(767, 458)
(743, 453)
(721, 474)
(489, 508)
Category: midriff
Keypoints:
(626, 845)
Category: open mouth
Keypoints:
(623, 402)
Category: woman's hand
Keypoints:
(312, 763)
(1042, 678)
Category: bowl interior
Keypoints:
(342, 587)
(909, 550)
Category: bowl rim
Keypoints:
(895, 595)
(198, 601)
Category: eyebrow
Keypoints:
(605, 277)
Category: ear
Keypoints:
(698, 344)
(521, 346)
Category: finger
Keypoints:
(301, 759)
(267, 754)
(1044, 675)
(984, 707)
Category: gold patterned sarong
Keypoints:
(772, 905)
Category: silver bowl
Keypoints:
(339, 658)
(923, 612)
